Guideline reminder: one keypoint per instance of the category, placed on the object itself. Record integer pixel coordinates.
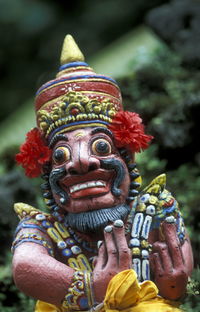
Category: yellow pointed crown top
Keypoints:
(70, 51)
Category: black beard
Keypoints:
(96, 220)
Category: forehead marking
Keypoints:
(80, 134)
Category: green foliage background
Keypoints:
(166, 93)
(162, 87)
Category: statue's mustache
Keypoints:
(54, 177)
(117, 166)
(108, 164)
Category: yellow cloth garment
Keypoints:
(125, 294)
(42, 306)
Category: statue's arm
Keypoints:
(171, 263)
(41, 276)
(38, 274)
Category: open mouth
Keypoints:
(83, 186)
(94, 183)
(90, 188)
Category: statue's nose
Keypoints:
(82, 161)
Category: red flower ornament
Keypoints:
(128, 131)
(33, 154)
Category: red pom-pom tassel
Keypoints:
(33, 154)
(128, 131)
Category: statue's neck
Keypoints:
(90, 237)
(93, 237)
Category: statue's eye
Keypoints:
(101, 147)
(61, 154)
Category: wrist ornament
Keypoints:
(80, 295)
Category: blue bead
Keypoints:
(134, 242)
(60, 219)
(70, 241)
(56, 208)
(66, 252)
(76, 250)
(83, 302)
(151, 210)
(40, 217)
(46, 224)
(61, 245)
(144, 198)
(55, 214)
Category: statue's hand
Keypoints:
(168, 265)
(114, 256)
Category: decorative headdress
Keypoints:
(78, 98)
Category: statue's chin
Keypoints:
(95, 221)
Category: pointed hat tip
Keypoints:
(70, 51)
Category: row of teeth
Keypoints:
(82, 186)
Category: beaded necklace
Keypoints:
(84, 244)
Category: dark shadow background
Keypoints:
(32, 32)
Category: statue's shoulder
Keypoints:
(148, 202)
(156, 186)
(157, 201)
(27, 211)
(157, 194)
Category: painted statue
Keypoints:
(107, 244)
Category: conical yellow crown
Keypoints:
(70, 51)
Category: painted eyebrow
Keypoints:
(56, 138)
(104, 130)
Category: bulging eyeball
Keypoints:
(101, 147)
(61, 154)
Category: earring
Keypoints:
(48, 198)
(134, 175)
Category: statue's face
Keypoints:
(90, 182)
